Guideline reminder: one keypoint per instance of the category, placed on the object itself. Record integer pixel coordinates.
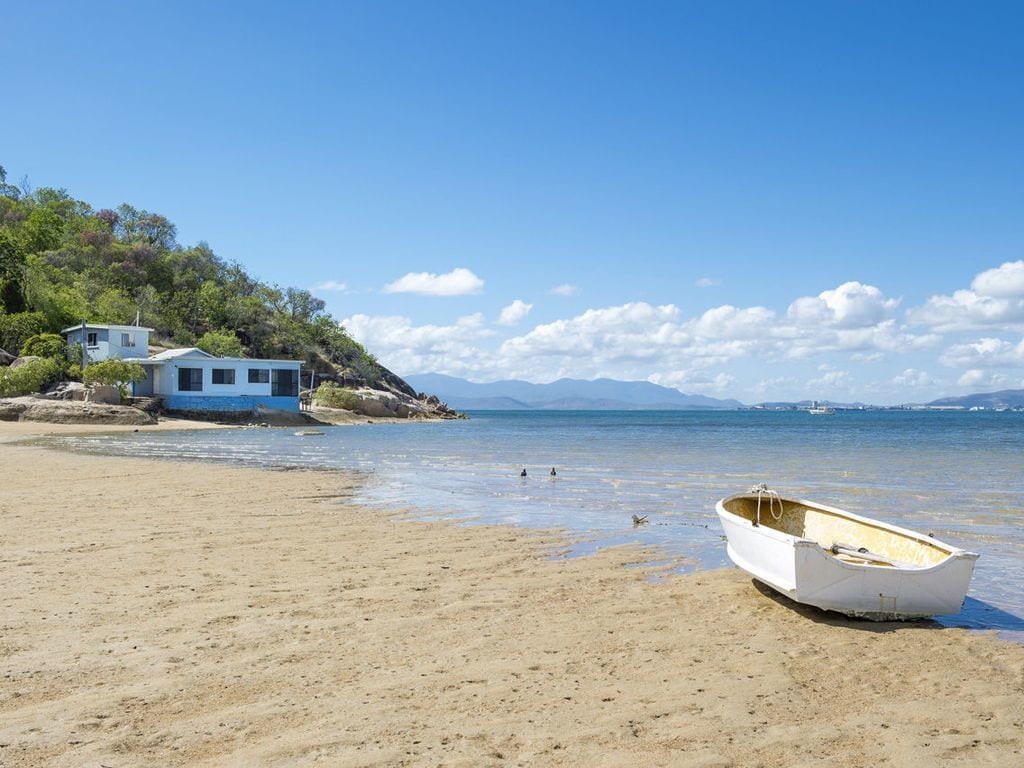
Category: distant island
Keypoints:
(563, 395)
(611, 394)
(1004, 400)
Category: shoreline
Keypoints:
(220, 615)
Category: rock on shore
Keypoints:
(381, 404)
(70, 412)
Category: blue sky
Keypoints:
(757, 200)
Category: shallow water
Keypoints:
(957, 475)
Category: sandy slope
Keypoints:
(156, 614)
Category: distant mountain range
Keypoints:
(1008, 398)
(564, 394)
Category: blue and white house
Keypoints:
(193, 380)
(103, 341)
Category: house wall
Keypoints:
(108, 342)
(240, 396)
(144, 388)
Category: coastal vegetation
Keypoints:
(330, 395)
(62, 260)
(113, 372)
(31, 376)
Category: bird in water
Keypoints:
(553, 473)
(523, 473)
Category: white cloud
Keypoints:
(830, 380)
(707, 282)
(995, 300)
(913, 378)
(728, 322)
(459, 282)
(1005, 281)
(632, 339)
(987, 351)
(408, 348)
(514, 312)
(694, 381)
(565, 289)
(971, 378)
(851, 305)
(721, 350)
(775, 384)
(628, 332)
(331, 285)
(981, 381)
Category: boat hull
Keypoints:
(808, 573)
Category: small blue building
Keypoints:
(193, 380)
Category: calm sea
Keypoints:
(957, 475)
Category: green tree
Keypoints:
(330, 395)
(221, 344)
(29, 377)
(16, 329)
(113, 372)
(12, 273)
(45, 345)
(42, 230)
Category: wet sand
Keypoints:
(173, 614)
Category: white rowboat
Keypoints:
(832, 559)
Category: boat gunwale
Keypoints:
(953, 553)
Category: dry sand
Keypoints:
(171, 614)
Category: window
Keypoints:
(190, 379)
(127, 339)
(90, 339)
(285, 383)
(223, 375)
(259, 375)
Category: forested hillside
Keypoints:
(61, 261)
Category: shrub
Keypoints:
(221, 344)
(45, 345)
(29, 377)
(330, 395)
(18, 328)
(113, 372)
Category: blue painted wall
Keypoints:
(229, 404)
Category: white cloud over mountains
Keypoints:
(459, 282)
(728, 350)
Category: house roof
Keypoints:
(194, 353)
(171, 354)
(107, 327)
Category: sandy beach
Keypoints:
(172, 614)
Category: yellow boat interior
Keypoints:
(845, 538)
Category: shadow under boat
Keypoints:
(975, 614)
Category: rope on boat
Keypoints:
(762, 489)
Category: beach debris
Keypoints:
(553, 473)
(523, 473)
(639, 520)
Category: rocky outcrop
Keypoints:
(66, 390)
(70, 412)
(373, 402)
(382, 404)
(20, 361)
(6, 358)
